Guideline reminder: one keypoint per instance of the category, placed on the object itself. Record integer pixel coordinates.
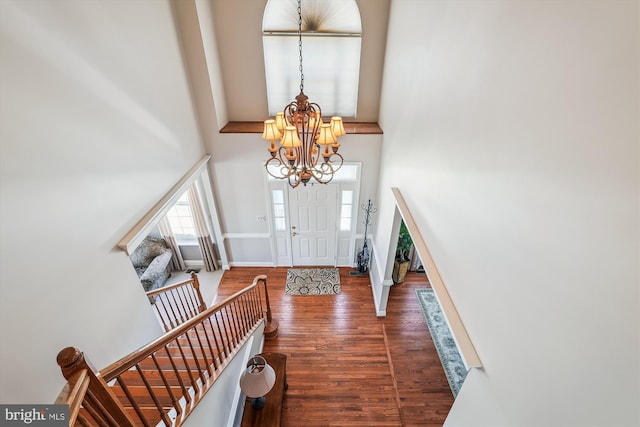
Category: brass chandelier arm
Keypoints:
(296, 174)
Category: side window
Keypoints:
(181, 220)
(346, 210)
(278, 210)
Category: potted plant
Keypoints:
(401, 265)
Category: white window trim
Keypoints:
(146, 225)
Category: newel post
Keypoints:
(196, 285)
(71, 360)
(271, 327)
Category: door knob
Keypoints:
(294, 234)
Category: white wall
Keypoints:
(511, 129)
(96, 124)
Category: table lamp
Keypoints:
(256, 380)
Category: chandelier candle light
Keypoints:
(302, 133)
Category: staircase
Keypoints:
(162, 382)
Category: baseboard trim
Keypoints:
(250, 264)
(194, 263)
(229, 236)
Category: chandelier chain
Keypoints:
(300, 44)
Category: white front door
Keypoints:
(313, 224)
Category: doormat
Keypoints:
(443, 339)
(193, 270)
(313, 281)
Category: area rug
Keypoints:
(313, 281)
(443, 339)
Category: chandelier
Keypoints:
(302, 135)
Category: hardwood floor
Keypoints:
(346, 366)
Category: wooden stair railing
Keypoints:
(177, 303)
(162, 382)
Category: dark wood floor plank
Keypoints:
(346, 366)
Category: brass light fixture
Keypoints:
(302, 134)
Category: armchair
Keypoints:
(152, 261)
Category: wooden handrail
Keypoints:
(177, 303)
(116, 368)
(163, 381)
(194, 278)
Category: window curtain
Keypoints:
(177, 262)
(202, 230)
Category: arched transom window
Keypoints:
(331, 40)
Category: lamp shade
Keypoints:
(258, 378)
(337, 127)
(281, 122)
(271, 131)
(325, 136)
(290, 138)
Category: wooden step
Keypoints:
(142, 396)
(155, 379)
(181, 364)
(150, 414)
